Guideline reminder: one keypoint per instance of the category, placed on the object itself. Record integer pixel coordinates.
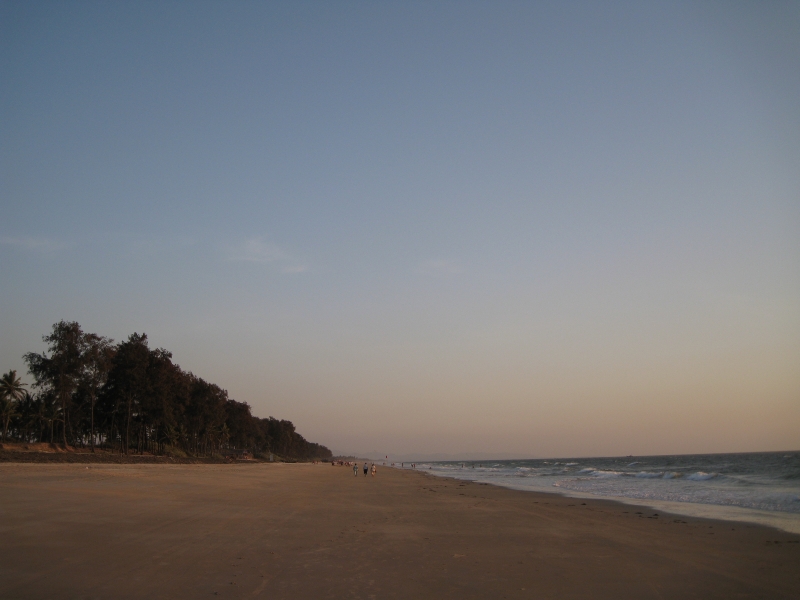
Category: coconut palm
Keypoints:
(11, 392)
(11, 386)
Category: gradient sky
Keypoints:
(517, 229)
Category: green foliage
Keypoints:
(59, 372)
(131, 398)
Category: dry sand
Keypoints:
(315, 531)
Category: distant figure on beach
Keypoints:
(365, 469)
(355, 469)
(373, 469)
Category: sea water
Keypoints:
(761, 487)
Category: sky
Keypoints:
(500, 229)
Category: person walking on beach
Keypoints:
(365, 469)
(373, 469)
(355, 469)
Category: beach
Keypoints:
(316, 531)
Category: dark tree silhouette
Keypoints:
(129, 397)
(11, 393)
(98, 353)
(127, 379)
(59, 372)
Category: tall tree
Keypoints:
(98, 353)
(48, 412)
(60, 371)
(127, 379)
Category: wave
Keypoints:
(766, 482)
(601, 474)
(700, 476)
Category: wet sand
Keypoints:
(315, 531)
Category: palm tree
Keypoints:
(11, 386)
(11, 392)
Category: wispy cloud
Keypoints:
(32, 244)
(440, 265)
(256, 250)
(149, 247)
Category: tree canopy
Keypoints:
(128, 397)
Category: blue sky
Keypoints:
(500, 228)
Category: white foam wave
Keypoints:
(700, 476)
(606, 474)
(710, 481)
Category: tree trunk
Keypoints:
(128, 428)
(92, 411)
(68, 428)
(112, 428)
(64, 412)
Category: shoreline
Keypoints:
(783, 521)
(286, 530)
(707, 485)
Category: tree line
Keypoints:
(128, 397)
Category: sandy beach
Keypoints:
(316, 531)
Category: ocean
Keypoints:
(762, 487)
